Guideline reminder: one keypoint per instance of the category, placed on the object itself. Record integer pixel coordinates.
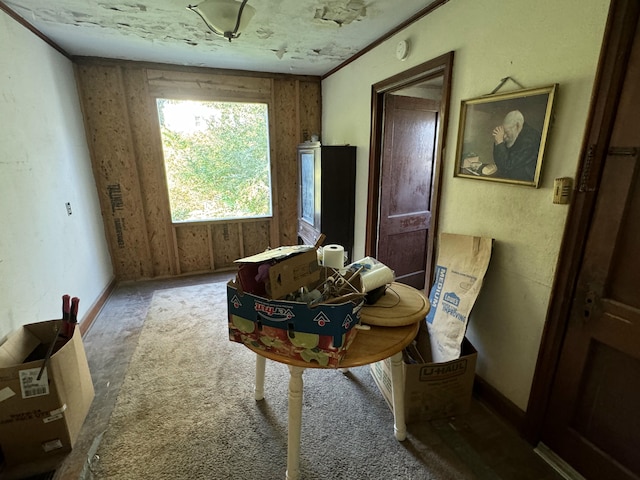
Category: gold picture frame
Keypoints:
(502, 137)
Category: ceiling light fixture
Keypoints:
(224, 17)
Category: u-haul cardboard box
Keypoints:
(431, 390)
(41, 418)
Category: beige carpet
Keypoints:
(186, 411)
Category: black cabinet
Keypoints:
(326, 201)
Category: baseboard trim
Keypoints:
(500, 404)
(94, 310)
(558, 464)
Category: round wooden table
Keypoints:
(373, 343)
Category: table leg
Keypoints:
(259, 388)
(397, 394)
(295, 422)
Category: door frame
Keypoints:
(440, 66)
(610, 75)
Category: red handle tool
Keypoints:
(66, 315)
(73, 315)
(63, 331)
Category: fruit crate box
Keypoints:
(320, 334)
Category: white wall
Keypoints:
(537, 43)
(44, 163)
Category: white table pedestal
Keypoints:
(260, 366)
(397, 396)
(296, 387)
(392, 328)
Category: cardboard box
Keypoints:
(320, 334)
(431, 390)
(289, 268)
(40, 419)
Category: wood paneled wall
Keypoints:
(121, 120)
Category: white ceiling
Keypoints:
(309, 37)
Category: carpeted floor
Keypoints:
(186, 411)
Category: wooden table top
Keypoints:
(393, 322)
(369, 346)
(400, 305)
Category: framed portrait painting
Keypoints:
(502, 137)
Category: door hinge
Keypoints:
(623, 151)
(589, 305)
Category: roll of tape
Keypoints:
(377, 276)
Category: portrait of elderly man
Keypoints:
(516, 147)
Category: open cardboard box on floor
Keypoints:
(431, 390)
(41, 419)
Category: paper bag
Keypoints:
(461, 266)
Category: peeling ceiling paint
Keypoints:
(288, 36)
(342, 14)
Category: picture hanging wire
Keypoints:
(502, 82)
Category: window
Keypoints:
(216, 157)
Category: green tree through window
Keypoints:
(216, 157)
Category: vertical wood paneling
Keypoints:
(310, 110)
(148, 148)
(122, 127)
(109, 133)
(287, 133)
(193, 247)
(274, 161)
(226, 248)
(241, 239)
(212, 258)
(255, 237)
(176, 257)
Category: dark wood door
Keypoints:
(593, 419)
(407, 166)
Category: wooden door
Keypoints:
(407, 167)
(593, 418)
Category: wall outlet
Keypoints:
(68, 205)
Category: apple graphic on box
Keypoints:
(242, 324)
(320, 357)
(275, 333)
(270, 341)
(304, 340)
